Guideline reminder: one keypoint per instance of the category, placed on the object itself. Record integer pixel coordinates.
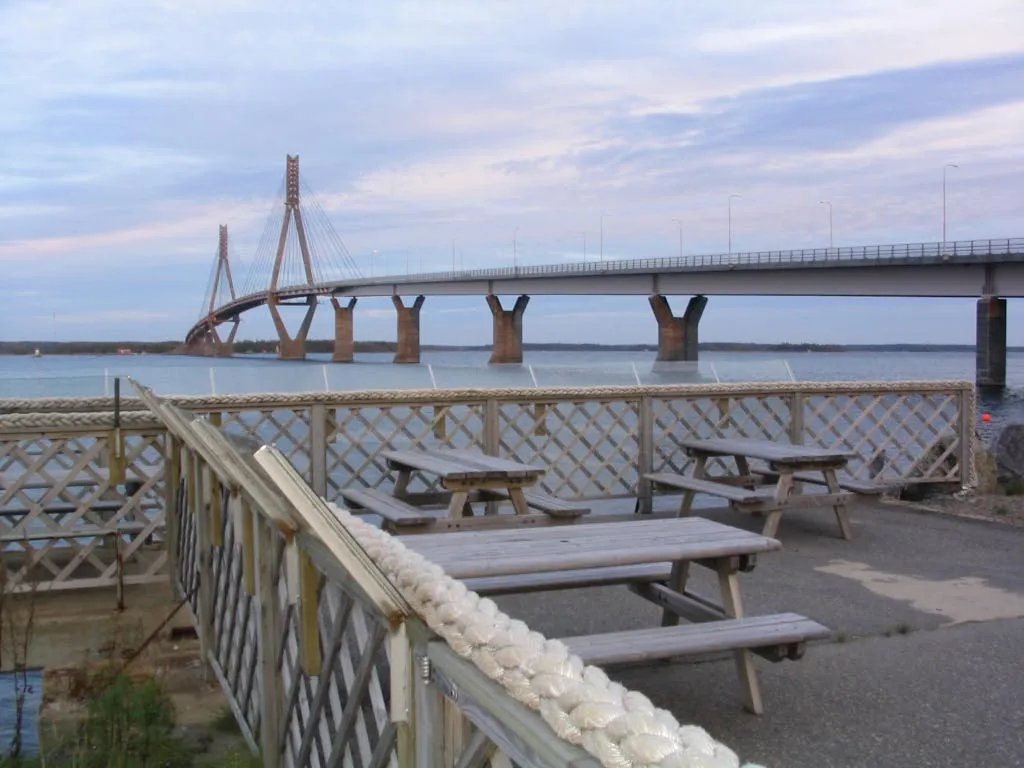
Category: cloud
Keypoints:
(132, 130)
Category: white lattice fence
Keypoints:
(597, 443)
(81, 504)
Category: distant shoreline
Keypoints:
(327, 345)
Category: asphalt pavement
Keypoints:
(925, 666)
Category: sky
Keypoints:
(130, 131)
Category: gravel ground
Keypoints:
(990, 506)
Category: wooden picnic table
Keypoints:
(787, 465)
(467, 477)
(652, 557)
(464, 472)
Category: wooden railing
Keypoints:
(323, 660)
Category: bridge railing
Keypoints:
(838, 256)
(336, 646)
(823, 256)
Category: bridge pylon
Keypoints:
(289, 347)
(221, 290)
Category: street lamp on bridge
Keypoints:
(515, 255)
(829, 204)
(584, 233)
(680, 222)
(603, 214)
(947, 165)
(730, 217)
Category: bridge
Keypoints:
(314, 265)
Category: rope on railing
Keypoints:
(35, 421)
(341, 398)
(620, 727)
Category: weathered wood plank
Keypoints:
(847, 483)
(526, 550)
(590, 577)
(391, 509)
(64, 508)
(648, 644)
(766, 450)
(78, 533)
(66, 479)
(460, 465)
(733, 493)
(546, 503)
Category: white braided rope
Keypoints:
(93, 420)
(619, 727)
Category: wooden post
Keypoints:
(318, 450)
(248, 549)
(645, 454)
(402, 706)
(309, 616)
(205, 561)
(429, 715)
(796, 418)
(439, 422)
(172, 512)
(216, 511)
(967, 432)
(492, 441)
(271, 693)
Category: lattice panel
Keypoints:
(236, 623)
(356, 436)
(188, 543)
(57, 492)
(589, 447)
(766, 417)
(909, 437)
(285, 428)
(341, 716)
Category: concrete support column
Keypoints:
(990, 349)
(508, 330)
(221, 347)
(408, 348)
(344, 336)
(677, 336)
(289, 348)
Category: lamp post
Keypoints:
(826, 202)
(372, 255)
(584, 233)
(730, 217)
(603, 214)
(947, 165)
(680, 222)
(515, 254)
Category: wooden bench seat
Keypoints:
(395, 511)
(588, 577)
(66, 508)
(544, 502)
(734, 493)
(787, 632)
(863, 487)
(76, 533)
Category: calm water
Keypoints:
(171, 374)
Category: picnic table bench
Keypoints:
(468, 477)
(653, 559)
(787, 465)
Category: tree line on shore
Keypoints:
(326, 346)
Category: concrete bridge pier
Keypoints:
(508, 331)
(221, 347)
(990, 348)
(677, 336)
(344, 336)
(289, 348)
(408, 347)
